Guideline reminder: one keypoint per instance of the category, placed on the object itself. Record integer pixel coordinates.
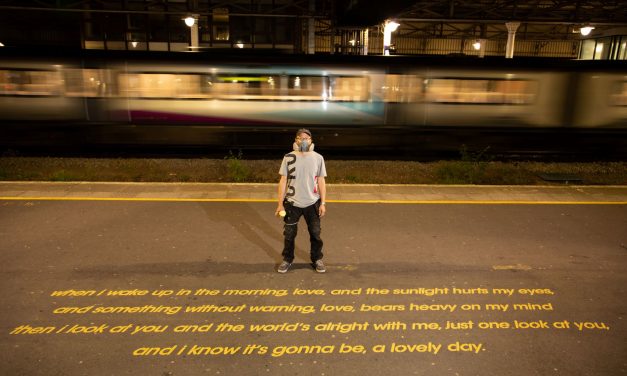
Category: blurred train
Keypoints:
(216, 99)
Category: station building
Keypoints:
(559, 29)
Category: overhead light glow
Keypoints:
(388, 29)
(134, 44)
(476, 45)
(391, 26)
(586, 30)
(190, 21)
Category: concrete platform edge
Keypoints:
(337, 193)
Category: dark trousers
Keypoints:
(290, 229)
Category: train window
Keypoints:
(266, 87)
(160, 85)
(242, 86)
(307, 88)
(271, 89)
(619, 94)
(87, 83)
(36, 83)
(353, 89)
(400, 88)
(498, 91)
(239, 86)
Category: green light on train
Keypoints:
(244, 79)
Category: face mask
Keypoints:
(307, 147)
(304, 145)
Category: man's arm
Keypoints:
(281, 195)
(323, 195)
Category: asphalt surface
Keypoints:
(175, 279)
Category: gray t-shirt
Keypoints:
(302, 171)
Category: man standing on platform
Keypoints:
(302, 192)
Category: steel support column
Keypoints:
(511, 36)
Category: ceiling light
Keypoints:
(391, 26)
(586, 30)
(190, 21)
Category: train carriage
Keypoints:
(216, 100)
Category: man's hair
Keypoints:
(303, 130)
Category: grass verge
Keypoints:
(235, 169)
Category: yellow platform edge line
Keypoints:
(414, 202)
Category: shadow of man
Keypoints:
(247, 219)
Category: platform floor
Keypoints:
(178, 279)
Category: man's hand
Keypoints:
(322, 211)
(279, 209)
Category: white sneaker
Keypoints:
(319, 266)
(284, 267)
